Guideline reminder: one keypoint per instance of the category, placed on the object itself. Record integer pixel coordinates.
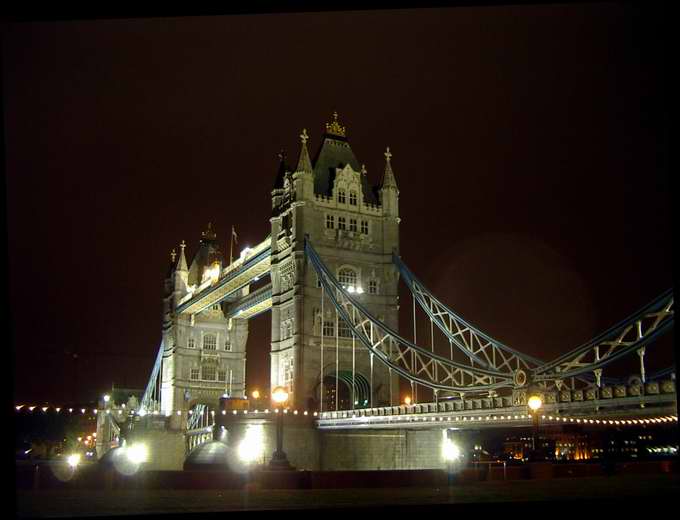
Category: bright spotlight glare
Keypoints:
(450, 451)
(251, 447)
(107, 398)
(137, 453)
(73, 460)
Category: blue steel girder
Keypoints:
(412, 362)
(467, 338)
(151, 397)
(629, 335)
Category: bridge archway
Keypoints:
(342, 390)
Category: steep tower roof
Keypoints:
(208, 252)
(335, 152)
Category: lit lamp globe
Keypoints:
(256, 394)
(280, 395)
(407, 400)
(535, 402)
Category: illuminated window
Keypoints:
(341, 223)
(208, 373)
(210, 342)
(341, 196)
(364, 227)
(353, 225)
(347, 277)
(191, 343)
(194, 373)
(372, 287)
(330, 222)
(352, 198)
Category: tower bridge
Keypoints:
(328, 272)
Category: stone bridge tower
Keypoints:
(205, 354)
(355, 229)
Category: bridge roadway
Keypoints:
(499, 412)
(486, 413)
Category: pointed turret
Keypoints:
(388, 180)
(181, 273)
(304, 162)
(303, 178)
(182, 263)
(389, 193)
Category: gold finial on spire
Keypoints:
(388, 155)
(183, 245)
(173, 255)
(335, 128)
(303, 136)
(363, 169)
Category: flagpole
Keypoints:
(231, 246)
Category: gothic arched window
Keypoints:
(353, 198)
(341, 196)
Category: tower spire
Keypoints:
(388, 180)
(182, 263)
(304, 162)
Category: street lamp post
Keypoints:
(279, 460)
(535, 402)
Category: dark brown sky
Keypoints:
(529, 146)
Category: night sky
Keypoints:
(529, 145)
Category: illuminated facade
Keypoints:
(205, 353)
(355, 229)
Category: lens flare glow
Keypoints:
(251, 447)
(450, 451)
(137, 453)
(73, 460)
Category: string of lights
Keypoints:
(327, 415)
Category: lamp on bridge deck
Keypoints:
(279, 460)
